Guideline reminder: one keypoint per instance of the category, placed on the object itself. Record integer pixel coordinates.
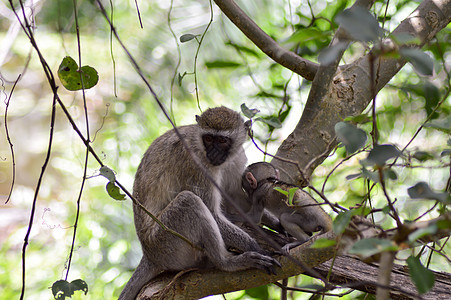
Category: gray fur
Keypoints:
(170, 185)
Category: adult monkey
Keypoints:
(172, 187)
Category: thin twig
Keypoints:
(85, 167)
(197, 54)
(35, 198)
(112, 53)
(8, 138)
(139, 14)
(179, 60)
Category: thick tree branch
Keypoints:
(350, 94)
(194, 284)
(352, 273)
(201, 283)
(286, 58)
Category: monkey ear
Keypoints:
(197, 118)
(251, 179)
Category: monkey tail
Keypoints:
(143, 274)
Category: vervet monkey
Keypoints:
(235, 191)
(300, 219)
(173, 188)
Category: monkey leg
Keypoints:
(188, 215)
(291, 222)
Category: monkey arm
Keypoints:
(235, 237)
(271, 221)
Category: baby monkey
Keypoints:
(300, 219)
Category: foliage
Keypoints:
(213, 67)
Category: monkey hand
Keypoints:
(287, 247)
(260, 261)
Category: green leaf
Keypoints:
(69, 75)
(291, 193)
(380, 154)
(419, 233)
(405, 38)
(353, 176)
(386, 209)
(79, 285)
(432, 96)
(114, 191)
(422, 277)
(422, 156)
(249, 112)
(307, 34)
(260, 292)
(422, 62)
(352, 137)
(371, 175)
(441, 124)
(444, 224)
(374, 175)
(359, 119)
(370, 246)
(107, 173)
(341, 221)
(272, 122)
(323, 243)
(329, 54)
(280, 190)
(220, 64)
(360, 24)
(421, 190)
(187, 37)
(62, 288)
(390, 174)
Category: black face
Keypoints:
(217, 148)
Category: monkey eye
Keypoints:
(207, 138)
(222, 140)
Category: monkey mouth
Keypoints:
(216, 156)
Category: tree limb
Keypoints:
(286, 58)
(200, 283)
(194, 284)
(350, 272)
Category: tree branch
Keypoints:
(194, 284)
(286, 58)
(352, 273)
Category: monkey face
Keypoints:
(217, 148)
